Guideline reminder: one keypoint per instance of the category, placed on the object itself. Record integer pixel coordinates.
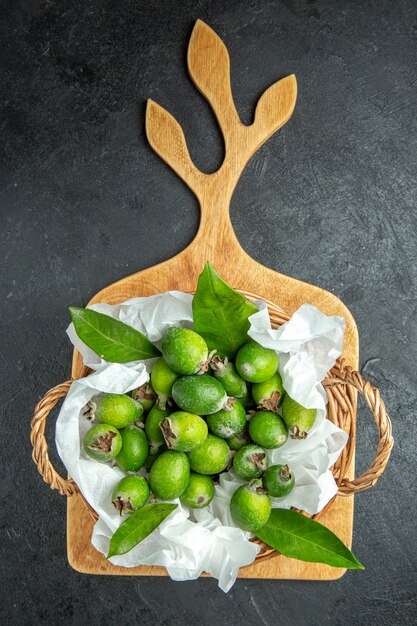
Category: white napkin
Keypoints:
(190, 542)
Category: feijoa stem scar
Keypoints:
(89, 411)
(169, 435)
(146, 395)
(297, 433)
(123, 506)
(285, 473)
(272, 403)
(204, 365)
(258, 459)
(103, 442)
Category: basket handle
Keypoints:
(347, 376)
(66, 487)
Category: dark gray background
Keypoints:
(84, 201)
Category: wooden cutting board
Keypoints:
(208, 65)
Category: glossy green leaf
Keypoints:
(111, 339)
(221, 313)
(299, 537)
(138, 525)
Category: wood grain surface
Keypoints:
(208, 65)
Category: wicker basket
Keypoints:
(341, 385)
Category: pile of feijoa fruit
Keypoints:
(199, 416)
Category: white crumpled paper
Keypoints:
(190, 542)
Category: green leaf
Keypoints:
(221, 313)
(111, 339)
(138, 525)
(300, 537)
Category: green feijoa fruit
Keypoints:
(226, 424)
(240, 440)
(212, 457)
(234, 384)
(162, 379)
(298, 419)
(169, 475)
(119, 410)
(183, 431)
(255, 363)
(184, 350)
(102, 442)
(154, 453)
(201, 395)
(146, 395)
(134, 451)
(268, 395)
(199, 492)
(278, 480)
(250, 462)
(152, 428)
(130, 494)
(250, 506)
(268, 429)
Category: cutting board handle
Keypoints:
(209, 68)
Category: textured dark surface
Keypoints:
(84, 201)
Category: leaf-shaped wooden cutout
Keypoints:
(167, 139)
(275, 107)
(209, 67)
